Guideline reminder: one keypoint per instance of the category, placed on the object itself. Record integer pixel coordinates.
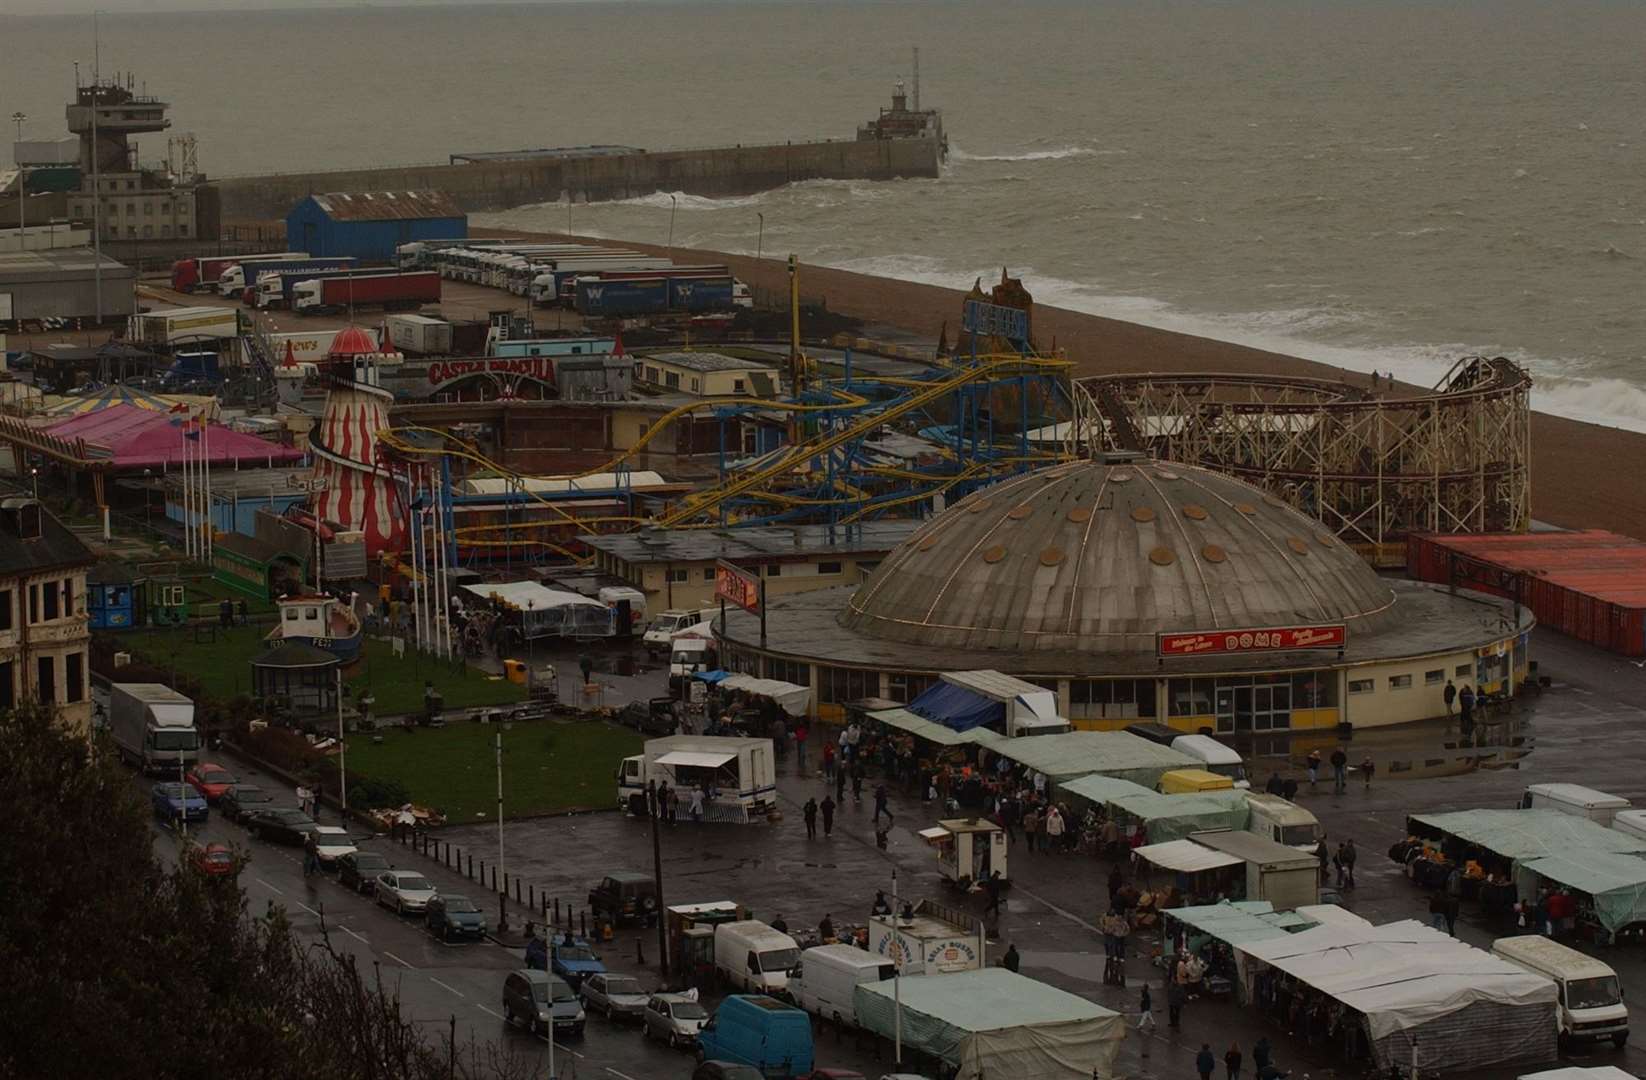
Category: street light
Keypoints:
(673, 206)
(35, 472)
(148, 475)
(760, 241)
(22, 182)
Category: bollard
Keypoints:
(557, 911)
(582, 924)
(545, 907)
(517, 890)
(531, 897)
(494, 878)
(640, 950)
(482, 877)
(471, 868)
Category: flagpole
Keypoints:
(205, 460)
(188, 500)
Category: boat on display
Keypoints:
(322, 622)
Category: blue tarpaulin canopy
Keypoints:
(956, 708)
(710, 677)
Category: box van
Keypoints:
(1598, 806)
(826, 981)
(1282, 821)
(687, 656)
(1632, 822)
(1216, 757)
(663, 628)
(1591, 1001)
(1188, 781)
(752, 956)
(1155, 733)
(753, 1029)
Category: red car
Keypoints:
(213, 859)
(211, 780)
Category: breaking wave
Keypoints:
(957, 154)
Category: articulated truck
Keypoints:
(322, 296)
(187, 275)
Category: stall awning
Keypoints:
(1185, 856)
(921, 728)
(1616, 883)
(1240, 920)
(1518, 835)
(957, 708)
(792, 698)
(696, 758)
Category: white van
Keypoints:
(1575, 799)
(660, 633)
(687, 655)
(1591, 1001)
(1632, 822)
(826, 981)
(753, 957)
(1214, 756)
(1282, 821)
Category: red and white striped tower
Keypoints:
(355, 491)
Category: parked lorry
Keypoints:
(322, 296)
(153, 727)
(750, 955)
(419, 335)
(202, 272)
(243, 275)
(634, 294)
(1599, 807)
(169, 326)
(737, 771)
(553, 278)
(825, 983)
(930, 939)
(275, 290)
(1282, 821)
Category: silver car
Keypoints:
(615, 996)
(674, 1018)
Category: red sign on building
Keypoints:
(1265, 639)
(737, 586)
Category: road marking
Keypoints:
(443, 986)
(483, 1009)
(561, 1047)
(269, 887)
(614, 1072)
(310, 910)
(391, 956)
(353, 935)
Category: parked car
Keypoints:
(758, 1030)
(674, 1018)
(242, 799)
(615, 996)
(358, 870)
(537, 998)
(575, 961)
(726, 1070)
(173, 800)
(455, 916)
(833, 1074)
(213, 859)
(332, 843)
(404, 890)
(280, 825)
(625, 896)
(210, 780)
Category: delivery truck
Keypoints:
(928, 939)
(419, 335)
(169, 326)
(1591, 1007)
(325, 296)
(243, 275)
(825, 983)
(738, 772)
(188, 275)
(153, 727)
(750, 955)
(275, 290)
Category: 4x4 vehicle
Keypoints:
(625, 896)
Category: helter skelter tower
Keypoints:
(354, 490)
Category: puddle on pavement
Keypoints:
(1429, 748)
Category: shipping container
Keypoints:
(328, 295)
(180, 324)
(1589, 584)
(419, 335)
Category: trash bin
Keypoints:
(515, 671)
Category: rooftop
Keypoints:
(54, 263)
(708, 361)
(21, 552)
(387, 205)
(753, 545)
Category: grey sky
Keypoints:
(119, 7)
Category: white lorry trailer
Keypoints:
(153, 727)
(739, 772)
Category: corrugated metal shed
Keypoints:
(60, 283)
(1590, 584)
(387, 205)
(370, 225)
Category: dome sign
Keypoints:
(1268, 639)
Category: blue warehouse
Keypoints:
(370, 224)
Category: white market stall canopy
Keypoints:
(1185, 856)
(1574, 1072)
(697, 759)
(922, 728)
(1615, 883)
(1081, 753)
(792, 698)
(1518, 835)
(546, 612)
(1466, 1008)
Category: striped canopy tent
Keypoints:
(351, 486)
(133, 438)
(119, 394)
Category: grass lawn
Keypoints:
(224, 670)
(547, 766)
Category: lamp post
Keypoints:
(148, 478)
(22, 182)
(35, 473)
(673, 206)
(760, 237)
(342, 756)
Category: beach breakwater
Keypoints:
(498, 185)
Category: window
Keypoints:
(74, 677)
(774, 570)
(828, 568)
(1464, 670)
(8, 685)
(5, 609)
(671, 379)
(292, 614)
(182, 230)
(131, 232)
(165, 230)
(651, 374)
(836, 686)
(1118, 698)
(737, 386)
(1314, 690)
(165, 208)
(905, 688)
(1400, 682)
(695, 386)
(68, 596)
(708, 573)
(131, 209)
(148, 232)
(789, 671)
(1185, 697)
(1361, 686)
(148, 209)
(1435, 677)
(45, 682)
(131, 185)
(311, 613)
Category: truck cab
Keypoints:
(1282, 821)
(659, 635)
(1590, 999)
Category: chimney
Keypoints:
(21, 518)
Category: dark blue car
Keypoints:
(173, 800)
(569, 960)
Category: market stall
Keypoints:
(1196, 871)
(542, 612)
(1610, 888)
(1074, 754)
(793, 699)
(1403, 994)
(1210, 931)
(991, 1023)
(924, 730)
(1173, 817)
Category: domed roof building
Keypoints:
(1141, 589)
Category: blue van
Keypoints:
(761, 1031)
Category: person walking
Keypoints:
(828, 761)
(1451, 914)
(991, 885)
(800, 733)
(857, 777)
(1466, 706)
(1340, 765)
(1175, 993)
(1145, 1016)
(840, 769)
(1313, 762)
(1367, 767)
(1337, 864)
(828, 816)
(1031, 829)
(809, 812)
(880, 803)
(1450, 696)
(1054, 829)
(311, 855)
(1011, 960)
(1204, 1062)
(1231, 1061)
(1349, 855)
(1322, 853)
(1437, 911)
(585, 664)
(1262, 1055)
